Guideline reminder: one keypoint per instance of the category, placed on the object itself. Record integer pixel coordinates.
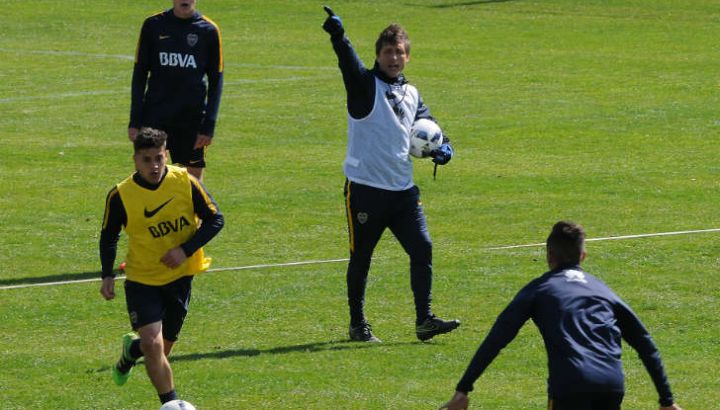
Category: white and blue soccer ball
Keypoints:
(177, 405)
(425, 136)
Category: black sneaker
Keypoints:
(433, 326)
(363, 333)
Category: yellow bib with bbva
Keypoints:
(158, 221)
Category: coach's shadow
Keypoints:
(333, 345)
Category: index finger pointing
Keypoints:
(329, 11)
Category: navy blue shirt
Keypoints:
(582, 322)
(183, 58)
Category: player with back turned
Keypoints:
(379, 188)
(160, 207)
(582, 322)
(177, 82)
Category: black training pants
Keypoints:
(371, 210)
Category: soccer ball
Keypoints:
(177, 405)
(425, 136)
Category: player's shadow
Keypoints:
(333, 345)
(61, 277)
(460, 4)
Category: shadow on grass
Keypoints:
(333, 345)
(459, 4)
(61, 277)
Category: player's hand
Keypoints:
(333, 25)
(174, 258)
(459, 401)
(107, 289)
(443, 154)
(202, 140)
(132, 133)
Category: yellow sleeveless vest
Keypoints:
(158, 221)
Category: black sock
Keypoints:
(135, 351)
(166, 397)
(125, 364)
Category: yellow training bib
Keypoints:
(157, 221)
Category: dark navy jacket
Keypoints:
(360, 82)
(582, 322)
(177, 54)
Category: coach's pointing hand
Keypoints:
(333, 25)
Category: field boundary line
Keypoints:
(611, 238)
(234, 268)
(323, 261)
(70, 94)
(131, 57)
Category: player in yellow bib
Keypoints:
(160, 207)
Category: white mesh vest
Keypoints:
(378, 145)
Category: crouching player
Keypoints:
(582, 322)
(160, 207)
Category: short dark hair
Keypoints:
(149, 138)
(566, 242)
(393, 34)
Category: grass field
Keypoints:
(600, 111)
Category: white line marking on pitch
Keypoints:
(69, 53)
(59, 95)
(109, 92)
(611, 238)
(317, 262)
(262, 266)
(129, 57)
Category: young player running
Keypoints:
(160, 207)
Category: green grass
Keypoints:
(600, 111)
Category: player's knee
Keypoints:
(152, 346)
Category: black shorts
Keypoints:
(587, 401)
(167, 303)
(181, 139)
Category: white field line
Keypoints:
(109, 92)
(69, 53)
(235, 268)
(61, 95)
(129, 57)
(612, 238)
(317, 262)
